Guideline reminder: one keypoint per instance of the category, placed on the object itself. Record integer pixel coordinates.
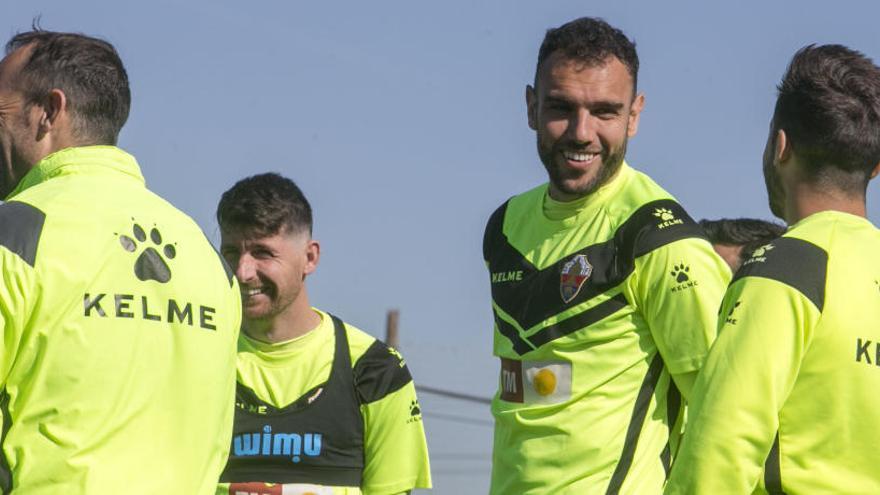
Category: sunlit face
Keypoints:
(18, 126)
(271, 270)
(775, 191)
(583, 116)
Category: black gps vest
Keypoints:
(318, 439)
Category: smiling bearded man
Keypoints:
(321, 406)
(604, 290)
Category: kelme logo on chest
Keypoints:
(575, 273)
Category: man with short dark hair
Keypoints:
(119, 319)
(321, 407)
(734, 239)
(605, 292)
(790, 387)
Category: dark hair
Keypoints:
(88, 71)
(829, 108)
(265, 205)
(590, 40)
(750, 233)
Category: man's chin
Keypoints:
(255, 314)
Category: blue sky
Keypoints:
(404, 123)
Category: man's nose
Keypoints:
(582, 127)
(245, 269)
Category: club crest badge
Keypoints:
(575, 272)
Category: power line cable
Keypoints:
(453, 395)
(458, 419)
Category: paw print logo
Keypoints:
(414, 409)
(761, 251)
(664, 214)
(680, 272)
(150, 263)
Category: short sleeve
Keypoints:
(395, 449)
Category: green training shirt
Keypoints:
(596, 302)
(119, 328)
(787, 400)
(395, 450)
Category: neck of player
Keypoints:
(805, 199)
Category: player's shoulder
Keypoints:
(21, 227)
(359, 341)
(797, 259)
(378, 368)
(515, 207)
(648, 217)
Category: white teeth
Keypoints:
(252, 292)
(578, 157)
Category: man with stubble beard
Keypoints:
(604, 290)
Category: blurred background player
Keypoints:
(787, 400)
(734, 239)
(321, 407)
(605, 292)
(119, 319)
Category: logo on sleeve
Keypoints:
(759, 255)
(681, 274)
(415, 412)
(575, 273)
(150, 264)
(394, 352)
(667, 218)
(730, 319)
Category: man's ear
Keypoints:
(635, 111)
(532, 107)
(875, 171)
(781, 148)
(313, 255)
(50, 111)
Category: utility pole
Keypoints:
(391, 336)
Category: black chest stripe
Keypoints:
(532, 295)
(20, 228)
(578, 321)
(634, 430)
(772, 471)
(794, 262)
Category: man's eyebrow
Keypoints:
(557, 99)
(603, 104)
(607, 105)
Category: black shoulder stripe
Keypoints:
(494, 230)
(799, 264)
(21, 226)
(379, 372)
(659, 223)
